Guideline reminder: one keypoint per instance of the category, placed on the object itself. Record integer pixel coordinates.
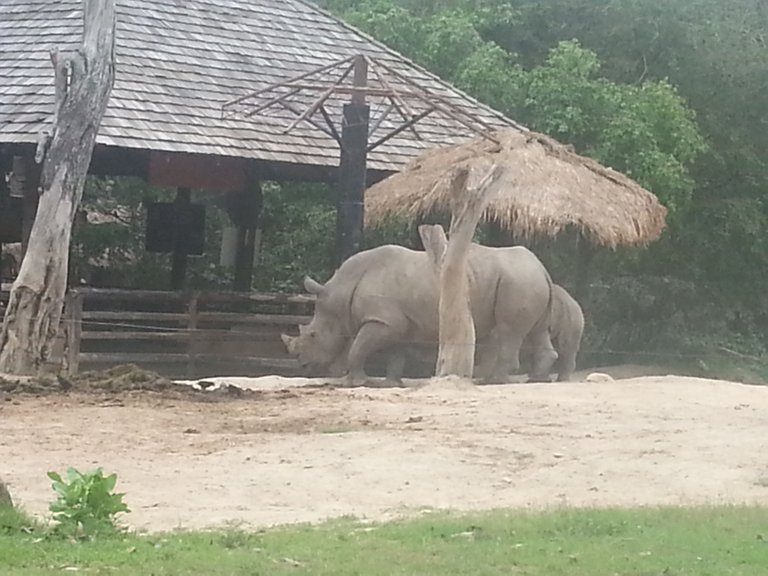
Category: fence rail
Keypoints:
(181, 334)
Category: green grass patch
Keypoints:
(717, 541)
(14, 523)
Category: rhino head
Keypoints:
(321, 342)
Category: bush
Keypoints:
(86, 505)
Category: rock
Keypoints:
(5, 496)
(599, 377)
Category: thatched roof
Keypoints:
(178, 62)
(544, 188)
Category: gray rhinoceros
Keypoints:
(386, 298)
(566, 326)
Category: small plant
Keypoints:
(86, 505)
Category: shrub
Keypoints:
(86, 505)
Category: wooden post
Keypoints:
(83, 82)
(182, 227)
(192, 326)
(244, 213)
(456, 331)
(73, 330)
(352, 168)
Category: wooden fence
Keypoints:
(182, 334)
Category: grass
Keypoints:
(718, 541)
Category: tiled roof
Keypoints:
(179, 61)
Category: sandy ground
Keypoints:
(293, 453)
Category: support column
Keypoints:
(182, 224)
(352, 169)
(244, 211)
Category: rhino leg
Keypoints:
(566, 366)
(372, 337)
(498, 354)
(509, 356)
(396, 366)
(543, 356)
(487, 358)
(566, 361)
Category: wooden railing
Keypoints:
(182, 334)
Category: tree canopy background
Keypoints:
(671, 93)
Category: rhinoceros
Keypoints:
(566, 326)
(386, 298)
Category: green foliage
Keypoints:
(298, 236)
(110, 251)
(86, 505)
(646, 131)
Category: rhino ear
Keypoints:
(289, 341)
(313, 286)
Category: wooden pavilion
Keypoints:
(184, 113)
(178, 64)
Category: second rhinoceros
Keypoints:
(566, 326)
(387, 298)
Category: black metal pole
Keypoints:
(182, 227)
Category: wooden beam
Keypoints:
(352, 181)
(198, 171)
(360, 79)
(73, 333)
(352, 167)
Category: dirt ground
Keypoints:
(294, 451)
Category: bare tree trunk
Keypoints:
(83, 83)
(5, 496)
(456, 354)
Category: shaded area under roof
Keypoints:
(179, 62)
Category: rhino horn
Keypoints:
(312, 286)
(289, 341)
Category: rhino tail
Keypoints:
(545, 320)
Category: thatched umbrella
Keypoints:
(544, 187)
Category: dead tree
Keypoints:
(5, 496)
(456, 328)
(83, 82)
